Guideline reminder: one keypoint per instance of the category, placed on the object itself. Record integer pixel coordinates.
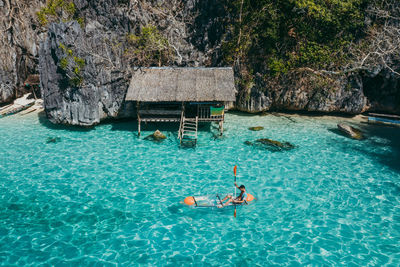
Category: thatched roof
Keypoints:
(182, 84)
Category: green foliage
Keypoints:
(274, 36)
(80, 62)
(56, 10)
(148, 48)
(277, 65)
(72, 64)
(81, 22)
(64, 63)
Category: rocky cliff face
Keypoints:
(103, 81)
(302, 90)
(195, 30)
(19, 46)
(100, 44)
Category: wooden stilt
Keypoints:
(139, 126)
(221, 127)
(138, 116)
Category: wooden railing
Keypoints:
(204, 113)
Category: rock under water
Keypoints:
(156, 136)
(350, 131)
(271, 145)
(256, 128)
(53, 140)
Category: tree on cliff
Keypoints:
(272, 42)
(289, 34)
(381, 47)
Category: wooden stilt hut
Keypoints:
(185, 95)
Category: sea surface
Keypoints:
(104, 197)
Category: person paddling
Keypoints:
(238, 200)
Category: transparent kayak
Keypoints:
(212, 201)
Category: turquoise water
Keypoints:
(105, 197)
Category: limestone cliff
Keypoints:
(85, 72)
(101, 46)
(19, 46)
(302, 90)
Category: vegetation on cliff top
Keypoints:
(148, 48)
(288, 34)
(56, 10)
(323, 37)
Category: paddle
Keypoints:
(234, 172)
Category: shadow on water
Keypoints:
(179, 210)
(44, 121)
(132, 126)
(392, 136)
(128, 125)
(379, 137)
(338, 132)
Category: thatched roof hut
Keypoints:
(182, 85)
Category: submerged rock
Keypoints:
(271, 145)
(53, 140)
(248, 143)
(350, 131)
(156, 136)
(256, 128)
(276, 144)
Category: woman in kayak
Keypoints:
(239, 199)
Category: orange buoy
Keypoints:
(189, 201)
(249, 198)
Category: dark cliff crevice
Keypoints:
(383, 92)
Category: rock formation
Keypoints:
(99, 90)
(19, 46)
(306, 91)
(256, 128)
(271, 145)
(156, 136)
(103, 81)
(195, 30)
(350, 131)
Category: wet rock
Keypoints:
(274, 145)
(248, 143)
(256, 128)
(53, 140)
(156, 136)
(271, 145)
(350, 131)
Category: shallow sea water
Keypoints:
(105, 197)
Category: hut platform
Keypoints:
(185, 95)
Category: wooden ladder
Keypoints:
(188, 131)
